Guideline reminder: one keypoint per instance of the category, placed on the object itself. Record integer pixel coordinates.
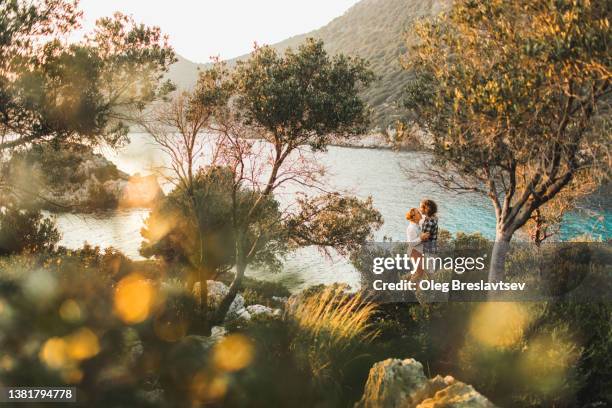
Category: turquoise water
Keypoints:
(389, 177)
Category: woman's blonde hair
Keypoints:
(412, 214)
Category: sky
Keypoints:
(199, 30)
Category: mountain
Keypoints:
(372, 29)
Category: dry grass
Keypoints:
(335, 315)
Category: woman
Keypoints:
(413, 237)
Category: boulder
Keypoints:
(395, 383)
(456, 395)
(261, 310)
(216, 293)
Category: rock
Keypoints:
(395, 383)
(280, 299)
(457, 395)
(261, 310)
(153, 397)
(218, 332)
(243, 314)
(216, 293)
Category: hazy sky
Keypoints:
(205, 28)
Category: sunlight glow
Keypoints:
(233, 353)
(499, 324)
(134, 299)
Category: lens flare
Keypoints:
(233, 353)
(70, 311)
(209, 387)
(547, 361)
(82, 344)
(499, 324)
(134, 299)
(53, 352)
(139, 192)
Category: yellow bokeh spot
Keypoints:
(546, 361)
(499, 324)
(65, 352)
(53, 353)
(233, 353)
(207, 387)
(134, 299)
(6, 363)
(72, 375)
(82, 344)
(70, 311)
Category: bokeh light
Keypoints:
(53, 352)
(208, 387)
(499, 324)
(82, 344)
(233, 353)
(547, 360)
(134, 298)
(70, 311)
(65, 352)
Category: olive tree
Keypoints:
(514, 95)
(268, 114)
(54, 90)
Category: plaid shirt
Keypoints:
(430, 225)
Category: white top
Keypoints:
(413, 233)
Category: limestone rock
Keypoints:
(395, 383)
(256, 310)
(216, 293)
(457, 395)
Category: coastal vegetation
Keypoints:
(513, 94)
(517, 107)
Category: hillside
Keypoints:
(371, 29)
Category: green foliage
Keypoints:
(539, 354)
(304, 95)
(341, 222)
(75, 92)
(259, 292)
(490, 82)
(200, 233)
(26, 231)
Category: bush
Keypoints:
(26, 231)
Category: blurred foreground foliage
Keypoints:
(120, 331)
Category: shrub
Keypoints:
(26, 231)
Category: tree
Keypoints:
(265, 113)
(86, 91)
(26, 231)
(292, 101)
(200, 195)
(545, 221)
(513, 94)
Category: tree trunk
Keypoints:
(498, 256)
(202, 325)
(231, 295)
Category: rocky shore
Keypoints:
(76, 179)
